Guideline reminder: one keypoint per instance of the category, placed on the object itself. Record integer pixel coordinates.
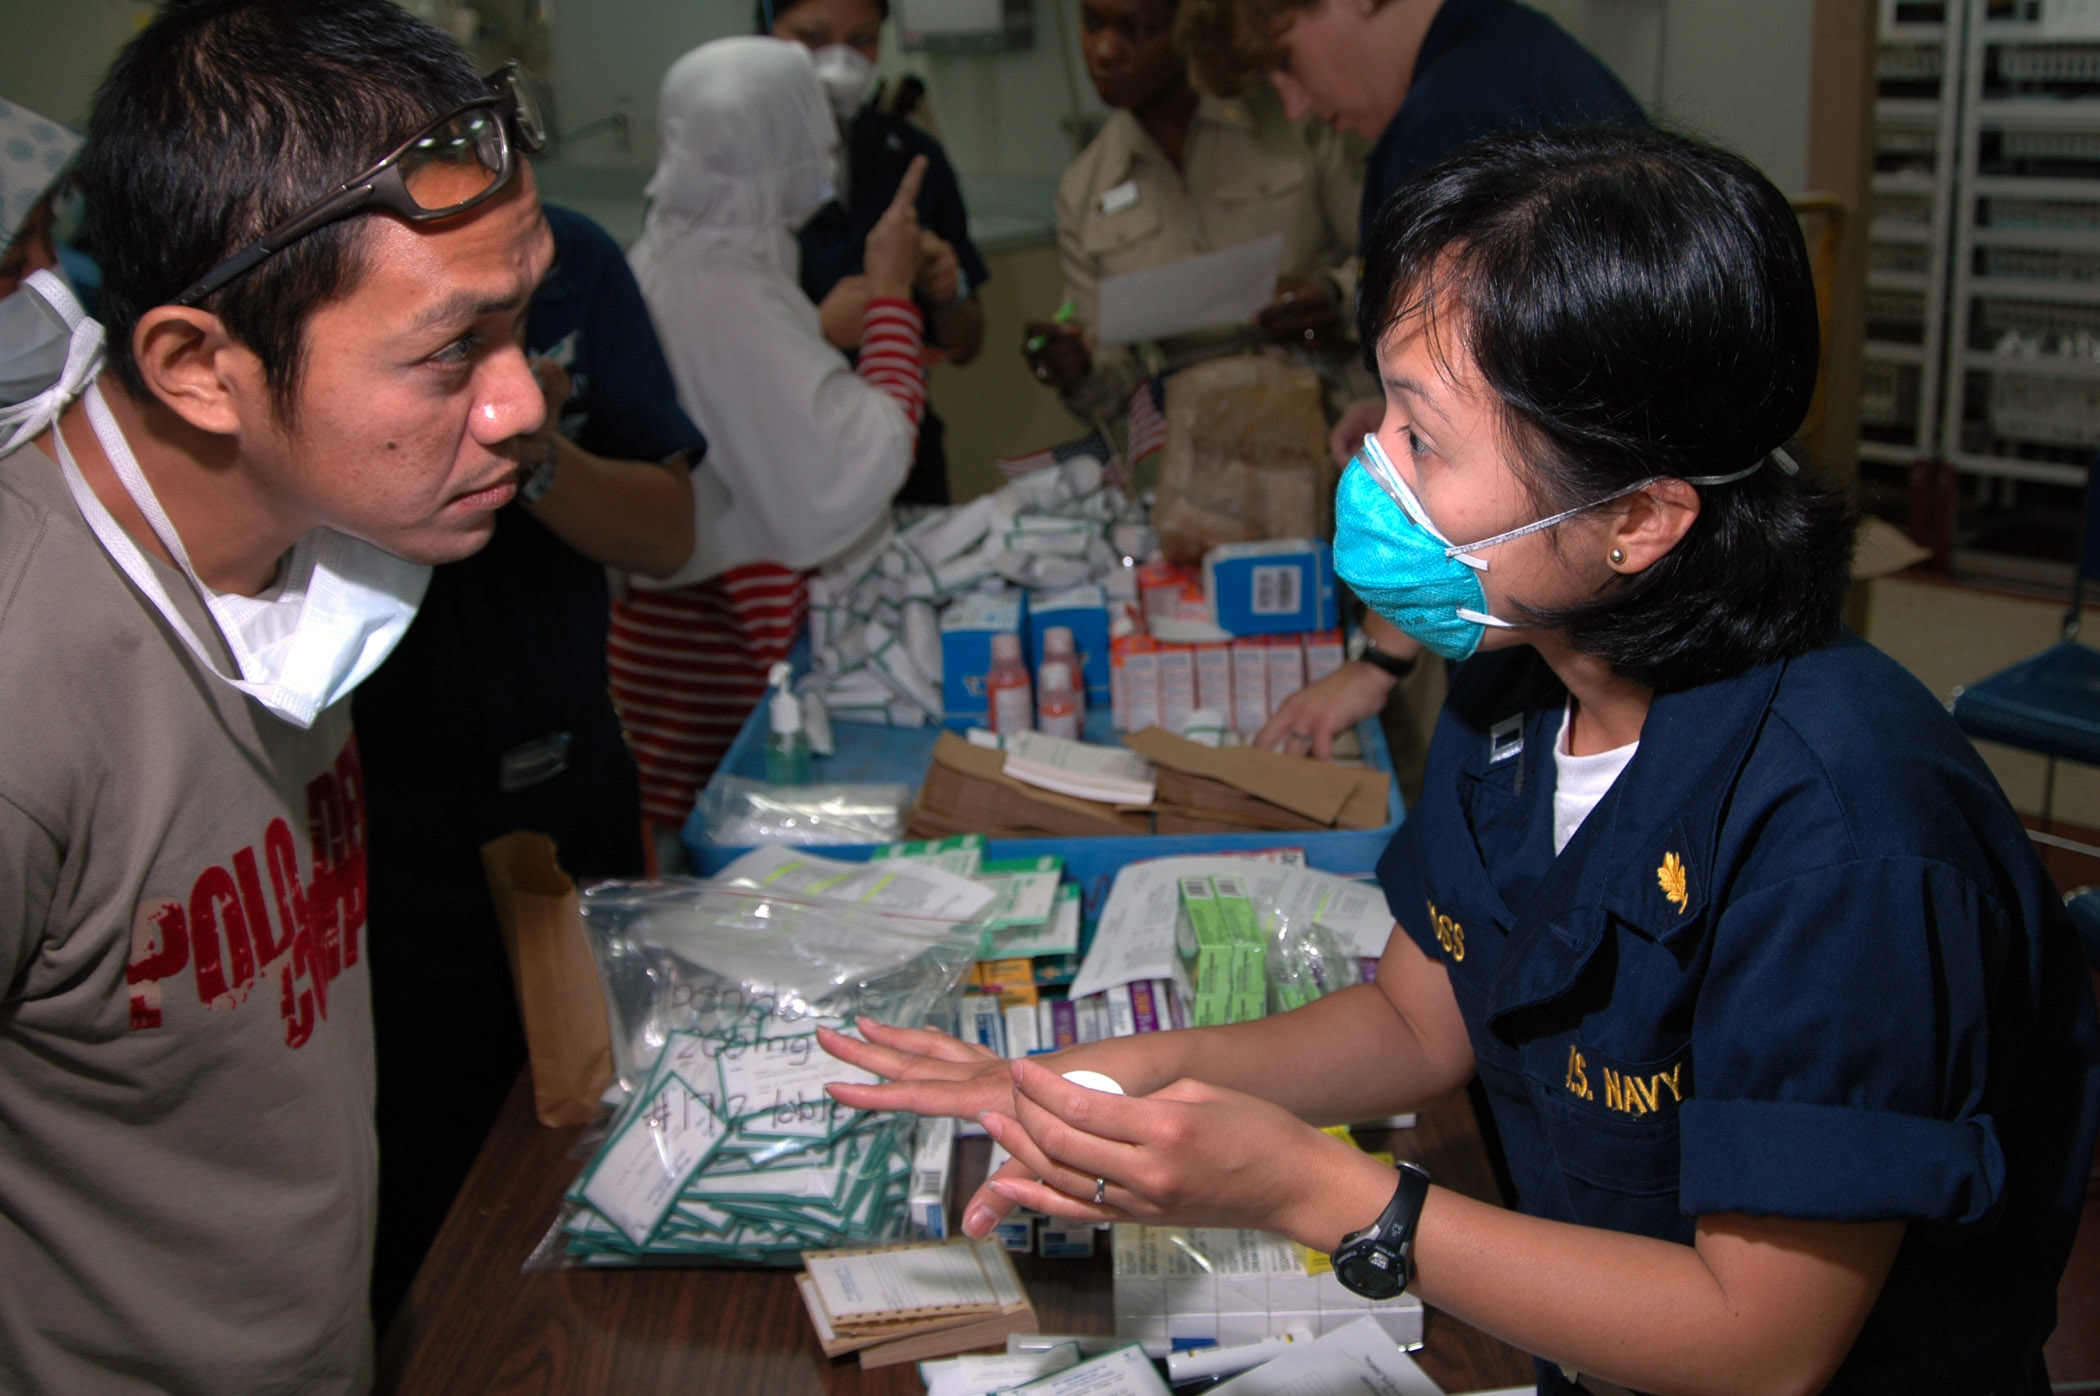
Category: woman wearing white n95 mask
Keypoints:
(805, 451)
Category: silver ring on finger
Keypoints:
(1301, 736)
(1100, 1191)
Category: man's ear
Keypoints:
(197, 370)
(1653, 521)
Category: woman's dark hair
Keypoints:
(1642, 306)
(766, 13)
(225, 117)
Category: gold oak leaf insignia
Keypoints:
(1671, 876)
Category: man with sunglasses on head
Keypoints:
(319, 241)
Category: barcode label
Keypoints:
(1276, 590)
(928, 1180)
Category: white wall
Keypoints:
(56, 51)
(1735, 72)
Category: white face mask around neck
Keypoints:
(339, 608)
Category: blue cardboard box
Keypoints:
(1277, 586)
(1085, 610)
(967, 627)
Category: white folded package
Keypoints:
(875, 654)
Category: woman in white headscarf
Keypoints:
(804, 451)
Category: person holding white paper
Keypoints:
(1176, 172)
(1784, 1029)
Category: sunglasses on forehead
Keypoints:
(448, 166)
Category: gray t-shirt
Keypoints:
(187, 1161)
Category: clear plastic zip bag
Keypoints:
(726, 1150)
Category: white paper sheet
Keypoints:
(1195, 293)
(1357, 1359)
(1124, 1372)
(980, 1375)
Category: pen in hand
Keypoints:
(1064, 316)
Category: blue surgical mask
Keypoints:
(1393, 557)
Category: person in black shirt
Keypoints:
(879, 144)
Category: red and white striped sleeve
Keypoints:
(890, 336)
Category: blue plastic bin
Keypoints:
(903, 754)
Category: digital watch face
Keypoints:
(1373, 1272)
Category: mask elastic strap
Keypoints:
(1461, 552)
(119, 545)
(1777, 455)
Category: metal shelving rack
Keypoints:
(2023, 399)
(1916, 151)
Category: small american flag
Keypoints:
(1148, 422)
(1092, 444)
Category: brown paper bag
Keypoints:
(559, 1000)
(1246, 457)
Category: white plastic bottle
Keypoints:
(1058, 644)
(787, 746)
(1009, 698)
(1056, 704)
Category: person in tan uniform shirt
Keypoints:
(1177, 172)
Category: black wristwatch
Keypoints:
(1378, 1261)
(1360, 647)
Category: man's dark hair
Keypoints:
(1642, 306)
(222, 119)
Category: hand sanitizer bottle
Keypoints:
(787, 747)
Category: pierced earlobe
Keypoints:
(1618, 557)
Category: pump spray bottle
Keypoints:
(787, 746)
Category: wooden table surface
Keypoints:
(473, 1323)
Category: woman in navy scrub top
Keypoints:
(1790, 1044)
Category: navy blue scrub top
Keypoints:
(509, 644)
(880, 148)
(1486, 66)
(1801, 960)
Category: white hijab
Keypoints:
(803, 456)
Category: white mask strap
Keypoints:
(119, 545)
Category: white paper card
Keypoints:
(1357, 1359)
(914, 1277)
(1057, 936)
(642, 1174)
(1195, 293)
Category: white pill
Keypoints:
(1094, 1081)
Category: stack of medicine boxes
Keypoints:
(1234, 637)
(1220, 934)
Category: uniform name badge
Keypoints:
(1124, 195)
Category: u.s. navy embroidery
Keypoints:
(1671, 877)
(1626, 1092)
(1449, 933)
